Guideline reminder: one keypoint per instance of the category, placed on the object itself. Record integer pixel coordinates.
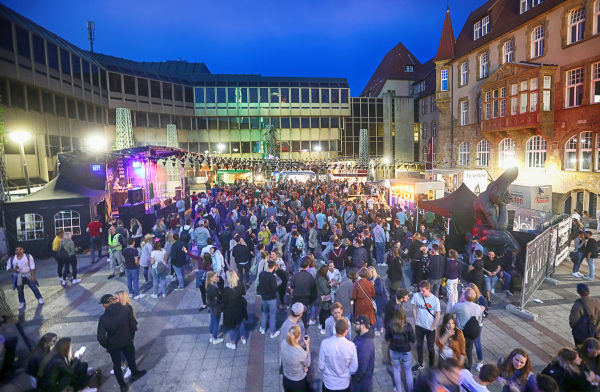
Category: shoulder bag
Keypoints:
(370, 299)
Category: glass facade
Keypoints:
(366, 113)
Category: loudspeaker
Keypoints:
(128, 211)
(135, 195)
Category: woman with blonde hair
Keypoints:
(215, 304)
(124, 300)
(234, 309)
(145, 254)
(158, 260)
(363, 294)
(68, 245)
(566, 371)
(380, 299)
(295, 361)
(483, 303)
(135, 228)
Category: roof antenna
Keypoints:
(91, 27)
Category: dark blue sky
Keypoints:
(273, 38)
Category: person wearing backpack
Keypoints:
(584, 319)
(469, 316)
(158, 259)
(23, 268)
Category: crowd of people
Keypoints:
(313, 250)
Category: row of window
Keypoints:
(146, 88)
(235, 123)
(424, 132)
(579, 152)
(428, 102)
(30, 227)
(574, 79)
(535, 153)
(241, 95)
(524, 98)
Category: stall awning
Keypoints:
(458, 202)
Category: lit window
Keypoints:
(463, 113)
(424, 130)
(477, 30)
(487, 111)
(546, 100)
(537, 41)
(464, 73)
(533, 101)
(597, 17)
(514, 105)
(485, 25)
(506, 156)
(547, 81)
(30, 227)
(571, 153)
(463, 154)
(67, 221)
(576, 25)
(514, 89)
(502, 107)
(444, 80)
(507, 52)
(483, 65)
(595, 93)
(433, 129)
(483, 153)
(585, 151)
(533, 84)
(524, 85)
(408, 68)
(524, 6)
(574, 93)
(535, 152)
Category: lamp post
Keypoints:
(220, 147)
(21, 137)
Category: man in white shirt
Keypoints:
(426, 312)
(338, 359)
(487, 375)
(23, 267)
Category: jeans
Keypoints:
(591, 265)
(180, 275)
(407, 275)
(233, 333)
(156, 279)
(62, 268)
(421, 333)
(507, 278)
(115, 356)
(578, 256)
(490, 282)
(452, 290)
(269, 309)
(435, 286)
(72, 261)
(402, 361)
(146, 273)
(32, 286)
(478, 348)
(244, 272)
(379, 252)
(133, 277)
(469, 347)
(114, 258)
(379, 320)
(95, 247)
(214, 324)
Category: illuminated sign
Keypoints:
(96, 168)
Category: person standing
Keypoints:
(181, 210)
(71, 260)
(235, 310)
(23, 267)
(132, 269)
(61, 260)
(365, 353)
(452, 273)
(178, 260)
(398, 298)
(491, 269)
(584, 306)
(295, 318)
(267, 289)
(324, 294)
(338, 359)
(303, 287)
(466, 310)
(242, 257)
(158, 260)
(426, 312)
(590, 252)
(363, 294)
(399, 333)
(215, 304)
(435, 266)
(116, 331)
(115, 246)
(94, 229)
(295, 360)
(379, 239)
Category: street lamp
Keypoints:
(21, 137)
(96, 143)
(221, 147)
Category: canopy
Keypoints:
(458, 202)
(61, 188)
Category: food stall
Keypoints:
(406, 191)
(232, 175)
(475, 180)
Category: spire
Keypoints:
(446, 48)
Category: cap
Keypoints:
(475, 238)
(362, 319)
(106, 299)
(583, 288)
(298, 308)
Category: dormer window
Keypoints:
(481, 27)
(526, 5)
(408, 68)
(477, 30)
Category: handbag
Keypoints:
(62, 253)
(370, 299)
(326, 298)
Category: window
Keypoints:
(477, 31)
(595, 92)
(433, 105)
(483, 65)
(523, 106)
(444, 80)
(424, 130)
(597, 17)
(485, 25)
(537, 42)
(535, 152)
(463, 154)
(502, 107)
(463, 113)
(547, 81)
(571, 154)
(464, 73)
(30, 227)
(574, 93)
(598, 152)
(483, 153)
(514, 89)
(495, 104)
(506, 153)
(433, 129)
(533, 101)
(488, 104)
(408, 68)
(423, 106)
(546, 100)
(507, 52)
(524, 6)
(585, 151)
(576, 25)
(67, 221)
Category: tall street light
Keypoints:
(21, 137)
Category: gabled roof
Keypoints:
(446, 47)
(426, 73)
(504, 17)
(391, 68)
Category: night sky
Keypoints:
(274, 38)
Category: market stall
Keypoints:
(406, 191)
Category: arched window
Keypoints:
(483, 65)
(434, 127)
(483, 153)
(585, 151)
(597, 17)
(571, 154)
(507, 51)
(506, 153)
(424, 130)
(535, 152)
(67, 221)
(576, 25)
(463, 154)
(578, 152)
(537, 41)
(30, 227)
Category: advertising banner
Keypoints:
(476, 180)
(536, 261)
(562, 242)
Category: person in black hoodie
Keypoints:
(42, 349)
(116, 330)
(590, 252)
(267, 289)
(178, 260)
(435, 268)
(242, 256)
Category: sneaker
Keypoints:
(21, 305)
(383, 265)
(418, 367)
(153, 296)
(210, 340)
(218, 340)
(262, 330)
(478, 367)
(178, 288)
(587, 277)
(40, 301)
(164, 295)
(311, 322)
(230, 345)
(75, 281)
(493, 291)
(377, 333)
(138, 375)
(322, 331)
(576, 274)
(130, 295)
(88, 389)
(110, 276)
(127, 373)
(579, 274)
(319, 327)
(508, 293)
(274, 335)
(139, 296)
(489, 304)
(64, 282)
(202, 308)
(244, 340)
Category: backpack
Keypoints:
(185, 235)
(471, 329)
(161, 267)
(585, 327)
